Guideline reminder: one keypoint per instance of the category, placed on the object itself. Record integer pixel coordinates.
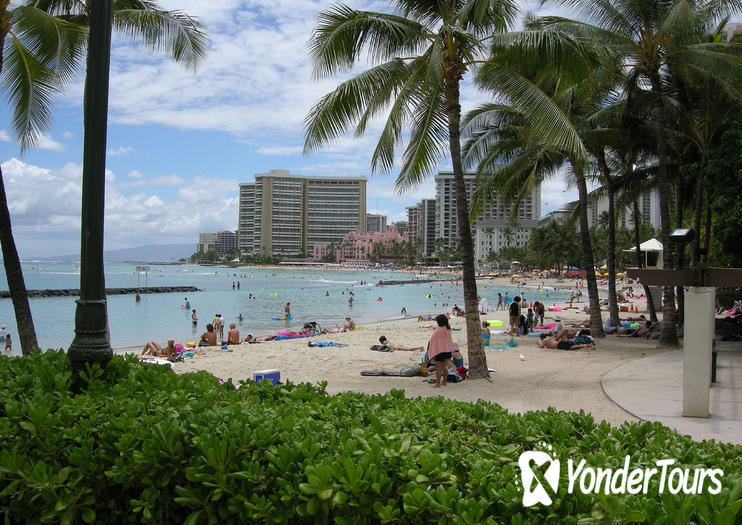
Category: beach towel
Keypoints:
(512, 343)
(499, 348)
(380, 373)
(324, 343)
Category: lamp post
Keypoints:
(91, 342)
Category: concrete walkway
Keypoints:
(651, 389)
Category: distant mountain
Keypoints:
(146, 254)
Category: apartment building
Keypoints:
(221, 242)
(287, 214)
(495, 228)
(375, 223)
(421, 225)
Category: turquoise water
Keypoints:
(161, 316)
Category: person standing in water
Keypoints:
(187, 304)
(287, 310)
(194, 317)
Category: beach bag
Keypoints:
(381, 348)
(409, 371)
(203, 342)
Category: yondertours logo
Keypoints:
(540, 471)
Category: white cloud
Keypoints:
(51, 218)
(4, 137)
(279, 150)
(68, 135)
(135, 174)
(48, 143)
(121, 151)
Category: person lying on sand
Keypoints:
(251, 339)
(553, 344)
(635, 332)
(154, 349)
(384, 341)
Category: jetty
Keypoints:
(75, 292)
(413, 281)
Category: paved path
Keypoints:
(651, 389)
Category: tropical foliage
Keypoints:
(148, 445)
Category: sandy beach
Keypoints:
(567, 380)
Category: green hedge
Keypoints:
(147, 445)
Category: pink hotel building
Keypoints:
(357, 246)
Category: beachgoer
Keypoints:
(499, 302)
(137, 298)
(194, 317)
(486, 334)
(233, 336)
(350, 325)
(287, 310)
(403, 311)
(514, 316)
(635, 332)
(8, 344)
(506, 299)
(553, 344)
(208, 338)
(238, 285)
(2, 334)
(154, 349)
(251, 339)
(440, 349)
(239, 317)
(384, 341)
(529, 318)
(350, 301)
(187, 304)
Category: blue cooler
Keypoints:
(270, 375)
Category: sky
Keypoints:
(179, 142)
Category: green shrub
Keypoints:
(146, 445)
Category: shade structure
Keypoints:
(650, 246)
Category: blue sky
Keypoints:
(179, 142)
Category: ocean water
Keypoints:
(315, 295)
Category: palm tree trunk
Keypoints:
(611, 252)
(696, 246)
(668, 332)
(596, 321)
(707, 237)
(477, 358)
(639, 264)
(679, 217)
(14, 274)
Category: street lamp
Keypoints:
(91, 343)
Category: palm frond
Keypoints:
(174, 32)
(485, 17)
(428, 139)
(337, 111)
(30, 85)
(538, 109)
(58, 44)
(342, 33)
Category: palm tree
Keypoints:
(650, 35)
(42, 45)
(421, 53)
(543, 124)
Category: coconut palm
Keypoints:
(420, 54)
(42, 45)
(541, 125)
(649, 35)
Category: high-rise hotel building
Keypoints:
(495, 228)
(286, 214)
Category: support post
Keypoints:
(91, 342)
(697, 341)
